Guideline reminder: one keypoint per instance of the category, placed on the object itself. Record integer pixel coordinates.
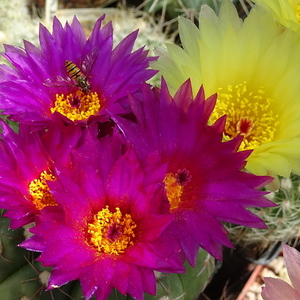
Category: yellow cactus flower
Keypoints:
(286, 12)
(254, 66)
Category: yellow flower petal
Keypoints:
(286, 12)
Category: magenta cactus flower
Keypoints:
(110, 232)
(80, 78)
(205, 183)
(26, 164)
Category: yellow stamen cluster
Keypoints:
(40, 192)
(79, 106)
(111, 233)
(249, 113)
(173, 189)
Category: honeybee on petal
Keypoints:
(77, 76)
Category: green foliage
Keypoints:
(12, 124)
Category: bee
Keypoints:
(77, 76)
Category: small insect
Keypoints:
(77, 76)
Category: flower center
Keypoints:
(40, 192)
(249, 113)
(174, 184)
(78, 106)
(111, 233)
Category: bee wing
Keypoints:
(58, 81)
(89, 61)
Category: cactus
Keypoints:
(283, 221)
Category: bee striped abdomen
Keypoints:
(73, 71)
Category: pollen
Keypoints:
(250, 113)
(111, 232)
(79, 106)
(174, 186)
(40, 192)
